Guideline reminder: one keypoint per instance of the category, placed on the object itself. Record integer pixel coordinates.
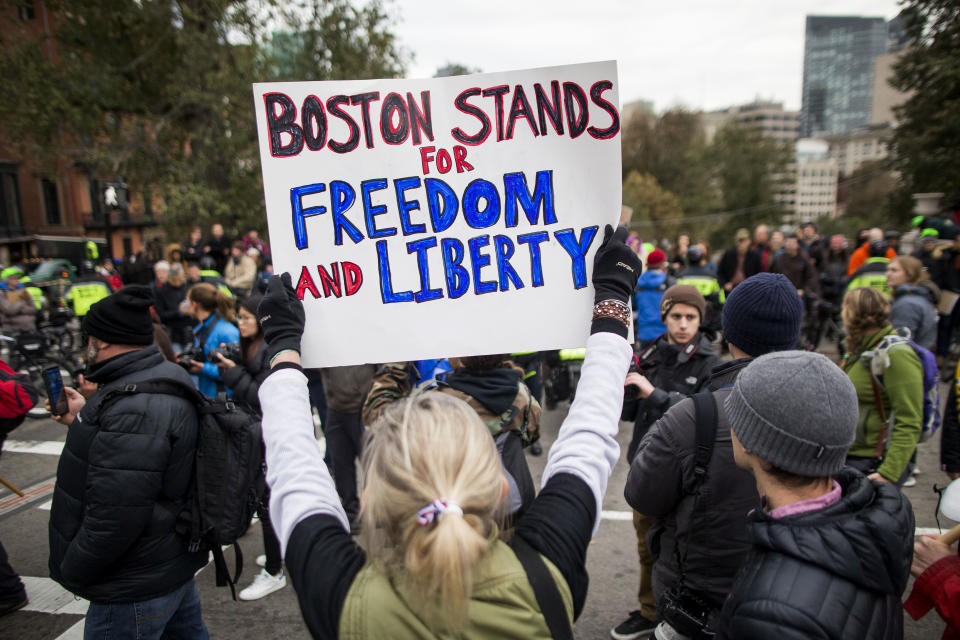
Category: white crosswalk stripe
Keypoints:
(45, 448)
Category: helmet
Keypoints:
(695, 254)
(207, 262)
(11, 271)
(877, 249)
(930, 233)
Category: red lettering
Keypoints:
(352, 277)
(460, 157)
(426, 155)
(443, 161)
(330, 284)
(306, 284)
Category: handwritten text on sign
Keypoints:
(398, 205)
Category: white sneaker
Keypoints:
(261, 561)
(916, 471)
(263, 585)
(910, 482)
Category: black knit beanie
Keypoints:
(763, 314)
(123, 317)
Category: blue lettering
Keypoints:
(478, 261)
(577, 249)
(471, 198)
(342, 197)
(515, 190)
(506, 271)
(533, 241)
(386, 284)
(406, 206)
(370, 211)
(441, 218)
(458, 280)
(421, 246)
(299, 213)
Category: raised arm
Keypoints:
(587, 445)
(300, 485)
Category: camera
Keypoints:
(188, 354)
(229, 351)
(688, 613)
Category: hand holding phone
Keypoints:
(55, 392)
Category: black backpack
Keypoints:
(228, 480)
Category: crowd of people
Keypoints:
(765, 478)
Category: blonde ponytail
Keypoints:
(431, 447)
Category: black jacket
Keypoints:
(122, 481)
(714, 534)
(830, 574)
(676, 372)
(752, 265)
(179, 325)
(245, 378)
(950, 433)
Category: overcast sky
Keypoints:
(700, 54)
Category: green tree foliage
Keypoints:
(455, 69)
(655, 210)
(671, 148)
(748, 169)
(158, 92)
(866, 198)
(926, 143)
(730, 182)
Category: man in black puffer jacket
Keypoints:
(122, 480)
(709, 533)
(831, 549)
(666, 371)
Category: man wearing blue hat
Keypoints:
(699, 502)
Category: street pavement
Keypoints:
(30, 458)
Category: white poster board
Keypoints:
(442, 217)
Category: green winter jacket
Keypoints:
(502, 604)
(901, 389)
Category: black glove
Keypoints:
(615, 267)
(281, 316)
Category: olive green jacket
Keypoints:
(502, 604)
(901, 390)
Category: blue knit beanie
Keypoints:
(763, 314)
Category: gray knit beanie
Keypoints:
(796, 410)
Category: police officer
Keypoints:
(699, 276)
(873, 273)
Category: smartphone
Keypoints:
(55, 393)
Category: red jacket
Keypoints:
(938, 586)
(17, 396)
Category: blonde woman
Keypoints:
(914, 300)
(431, 564)
(891, 404)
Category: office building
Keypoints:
(766, 115)
(838, 69)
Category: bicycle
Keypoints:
(27, 353)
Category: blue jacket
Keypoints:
(222, 331)
(646, 301)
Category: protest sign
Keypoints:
(443, 217)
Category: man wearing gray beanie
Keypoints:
(700, 514)
(831, 550)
